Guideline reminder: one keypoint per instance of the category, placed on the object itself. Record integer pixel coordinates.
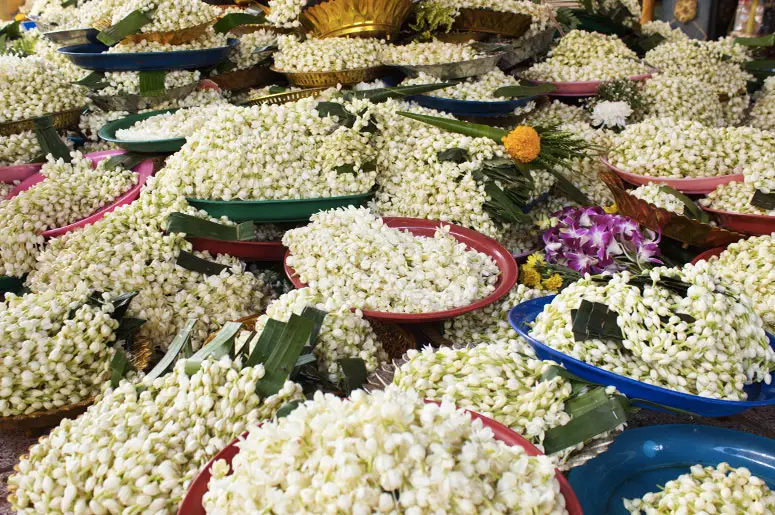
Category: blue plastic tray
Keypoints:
(94, 57)
(641, 459)
(759, 394)
(470, 107)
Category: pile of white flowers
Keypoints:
(653, 194)
(762, 115)
(49, 356)
(583, 172)
(432, 52)
(210, 39)
(30, 88)
(140, 446)
(70, 192)
(495, 380)
(710, 64)
(746, 268)
(250, 50)
(275, 152)
(180, 124)
(587, 56)
(734, 197)
(128, 83)
(682, 98)
(490, 324)
(557, 112)
(87, 14)
(474, 88)
(5, 189)
(366, 264)
(168, 15)
(665, 147)
(19, 148)
(384, 452)
(285, 13)
(713, 354)
(343, 334)
(719, 489)
(664, 29)
(46, 50)
(327, 55)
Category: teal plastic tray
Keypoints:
(108, 133)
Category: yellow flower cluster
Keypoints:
(530, 274)
(523, 144)
(611, 210)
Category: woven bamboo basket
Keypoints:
(61, 120)
(508, 24)
(282, 98)
(331, 79)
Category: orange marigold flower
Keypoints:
(523, 144)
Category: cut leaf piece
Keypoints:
(475, 130)
(287, 409)
(127, 160)
(199, 227)
(95, 81)
(593, 320)
(49, 140)
(221, 345)
(524, 91)
(345, 117)
(196, 264)
(119, 366)
(692, 210)
(317, 316)
(763, 200)
(232, 20)
(182, 339)
(263, 348)
(382, 94)
(456, 155)
(152, 83)
(281, 361)
(129, 25)
(354, 371)
(596, 415)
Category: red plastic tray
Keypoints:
(708, 254)
(247, 250)
(694, 185)
(477, 241)
(9, 174)
(581, 88)
(144, 170)
(754, 225)
(192, 502)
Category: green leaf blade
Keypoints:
(474, 130)
(130, 24)
(280, 364)
(232, 20)
(173, 351)
(199, 227)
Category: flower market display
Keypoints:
(381, 267)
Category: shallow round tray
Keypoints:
(489, 21)
(276, 210)
(192, 502)
(60, 120)
(693, 185)
(143, 170)
(108, 133)
(759, 394)
(94, 57)
(134, 103)
(754, 225)
(644, 459)
(331, 79)
(245, 250)
(705, 256)
(581, 88)
(450, 71)
(9, 174)
(471, 107)
(282, 98)
(72, 36)
(257, 76)
(472, 239)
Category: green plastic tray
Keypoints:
(108, 133)
(276, 210)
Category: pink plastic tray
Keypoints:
(246, 250)
(581, 89)
(10, 174)
(700, 185)
(144, 170)
(708, 254)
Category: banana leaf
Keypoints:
(221, 345)
(287, 408)
(49, 140)
(119, 366)
(592, 413)
(456, 155)
(692, 210)
(232, 20)
(354, 371)
(763, 200)
(594, 320)
(524, 91)
(196, 264)
(280, 363)
(263, 348)
(152, 83)
(474, 130)
(760, 41)
(130, 24)
(95, 81)
(173, 351)
(127, 161)
(199, 227)
(382, 94)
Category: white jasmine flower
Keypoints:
(611, 115)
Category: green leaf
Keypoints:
(692, 210)
(232, 20)
(287, 408)
(593, 320)
(128, 328)
(69, 3)
(221, 345)
(127, 161)
(3, 43)
(266, 341)
(199, 227)
(305, 359)
(121, 304)
(275, 90)
(317, 316)
(95, 81)
(345, 117)
(196, 264)
(355, 373)
(524, 91)
(382, 94)
(12, 30)
(577, 383)
(502, 207)
(152, 83)
(763, 200)
(569, 189)
(761, 41)
(474, 130)
(349, 168)
(49, 140)
(595, 413)
(130, 24)
(119, 366)
(182, 339)
(456, 155)
(282, 360)
(760, 64)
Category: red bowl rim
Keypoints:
(273, 244)
(687, 182)
(560, 84)
(9, 174)
(268, 251)
(704, 256)
(509, 271)
(741, 216)
(143, 170)
(192, 502)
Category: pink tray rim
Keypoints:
(690, 184)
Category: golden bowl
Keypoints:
(512, 25)
(172, 37)
(283, 98)
(60, 120)
(356, 18)
(331, 79)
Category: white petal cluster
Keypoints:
(665, 147)
(5, 189)
(611, 115)
(387, 452)
(344, 333)
(734, 197)
(46, 50)
(714, 355)
(128, 83)
(490, 324)
(366, 264)
(746, 268)
(50, 11)
(19, 148)
(587, 56)
(683, 98)
(762, 115)
(209, 39)
(285, 13)
(50, 356)
(664, 29)
(327, 55)
(474, 88)
(180, 124)
(140, 446)
(583, 172)
(168, 15)
(432, 52)
(70, 192)
(653, 194)
(30, 88)
(557, 112)
(721, 489)
(248, 53)
(494, 380)
(88, 13)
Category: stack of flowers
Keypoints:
(180, 124)
(327, 55)
(762, 115)
(168, 15)
(654, 194)
(683, 98)
(432, 52)
(481, 88)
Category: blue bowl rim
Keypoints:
(67, 50)
(480, 103)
